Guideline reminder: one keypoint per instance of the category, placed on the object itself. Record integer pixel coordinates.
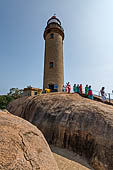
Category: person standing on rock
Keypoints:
(90, 93)
(75, 88)
(68, 88)
(80, 88)
(86, 90)
(63, 88)
(103, 94)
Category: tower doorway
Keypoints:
(53, 87)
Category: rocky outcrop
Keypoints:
(69, 160)
(73, 122)
(22, 146)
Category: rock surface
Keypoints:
(68, 160)
(73, 122)
(22, 146)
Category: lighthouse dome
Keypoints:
(54, 19)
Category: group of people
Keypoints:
(66, 88)
(88, 90)
(77, 88)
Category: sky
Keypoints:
(87, 47)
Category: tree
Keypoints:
(15, 93)
(4, 101)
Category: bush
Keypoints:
(4, 101)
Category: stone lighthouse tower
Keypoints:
(53, 61)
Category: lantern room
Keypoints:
(53, 19)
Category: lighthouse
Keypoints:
(53, 57)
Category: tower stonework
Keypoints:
(53, 61)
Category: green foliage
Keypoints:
(4, 101)
(13, 94)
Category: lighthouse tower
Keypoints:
(53, 61)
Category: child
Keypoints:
(63, 88)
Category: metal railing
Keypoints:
(109, 96)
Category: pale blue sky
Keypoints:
(88, 44)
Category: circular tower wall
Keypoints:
(53, 61)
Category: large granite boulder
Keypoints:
(73, 122)
(22, 146)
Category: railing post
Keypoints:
(109, 96)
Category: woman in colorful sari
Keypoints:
(90, 93)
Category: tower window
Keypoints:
(51, 65)
(51, 36)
